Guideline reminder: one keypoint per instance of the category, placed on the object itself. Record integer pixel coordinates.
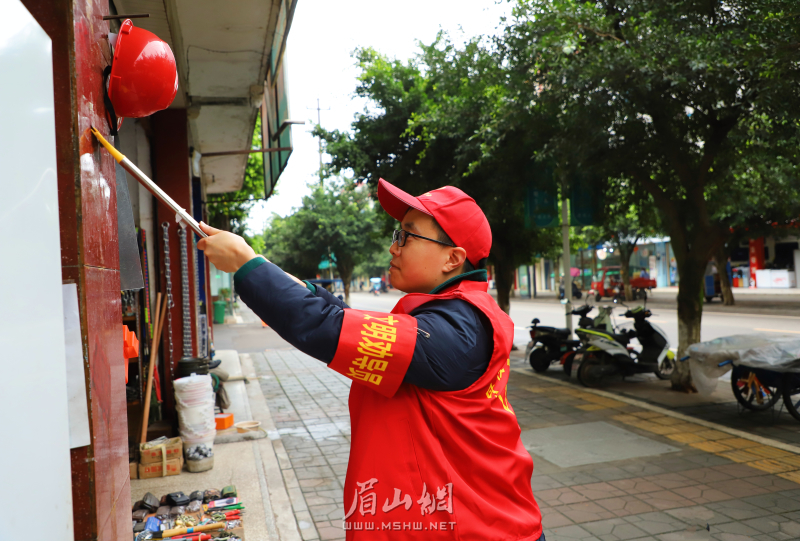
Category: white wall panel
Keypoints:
(35, 448)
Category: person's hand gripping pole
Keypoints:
(227, 251)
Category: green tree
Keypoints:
(667, 94)
(756, 212)
(418, 132)
(376, 264)
(337, 218)
(229, 211)
(286, 246)
(626, 218)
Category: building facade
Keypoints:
(230, 68)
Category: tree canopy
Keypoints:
(337, 220)
(229, 211)
(690, 105)
(420, 132)
(687, 99)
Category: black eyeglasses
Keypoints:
(400, 236)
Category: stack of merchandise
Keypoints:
(210, 515)
(194, 396)
(160, 457)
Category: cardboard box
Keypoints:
(148, 471)
(134, 467)
(173, 447)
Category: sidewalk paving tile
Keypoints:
(698, 515)
(616, 527)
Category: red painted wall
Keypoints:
(171, 171)
(90, 258)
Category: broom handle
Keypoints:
(161, 310)
(201, 528)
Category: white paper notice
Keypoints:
(79, 435)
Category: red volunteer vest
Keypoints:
(431, 464)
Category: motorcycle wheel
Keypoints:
(590, 371)
(598, 297)
(791, 394)
(540, 360)
(750, 395)
(665, 368)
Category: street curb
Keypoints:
(281, 522)
(664, 411)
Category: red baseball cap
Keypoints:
(457, 213)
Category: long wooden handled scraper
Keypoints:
(181, 216)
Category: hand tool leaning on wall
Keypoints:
(181, 216)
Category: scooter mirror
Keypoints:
(535, 321)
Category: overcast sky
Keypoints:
(319, 65)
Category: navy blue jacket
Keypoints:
(452, 356)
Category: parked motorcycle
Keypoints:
(601, 322)
(548, 345)
(607, 353)
(552, 344)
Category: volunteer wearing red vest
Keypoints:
(435, 446)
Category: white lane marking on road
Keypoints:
(775, 330)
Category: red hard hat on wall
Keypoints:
(143, 78)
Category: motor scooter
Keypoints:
(552, 344)
(606, 353)
(601, 322)
(548, 345)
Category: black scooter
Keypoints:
(608, 353)
(551, 344)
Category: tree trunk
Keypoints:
(504, 281)
(625, 274)
(721, 259)
(346, 275)
(690, 314)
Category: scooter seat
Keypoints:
(554, 330)
(622, 338)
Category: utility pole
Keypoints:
(565, 259)
(319, 123)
